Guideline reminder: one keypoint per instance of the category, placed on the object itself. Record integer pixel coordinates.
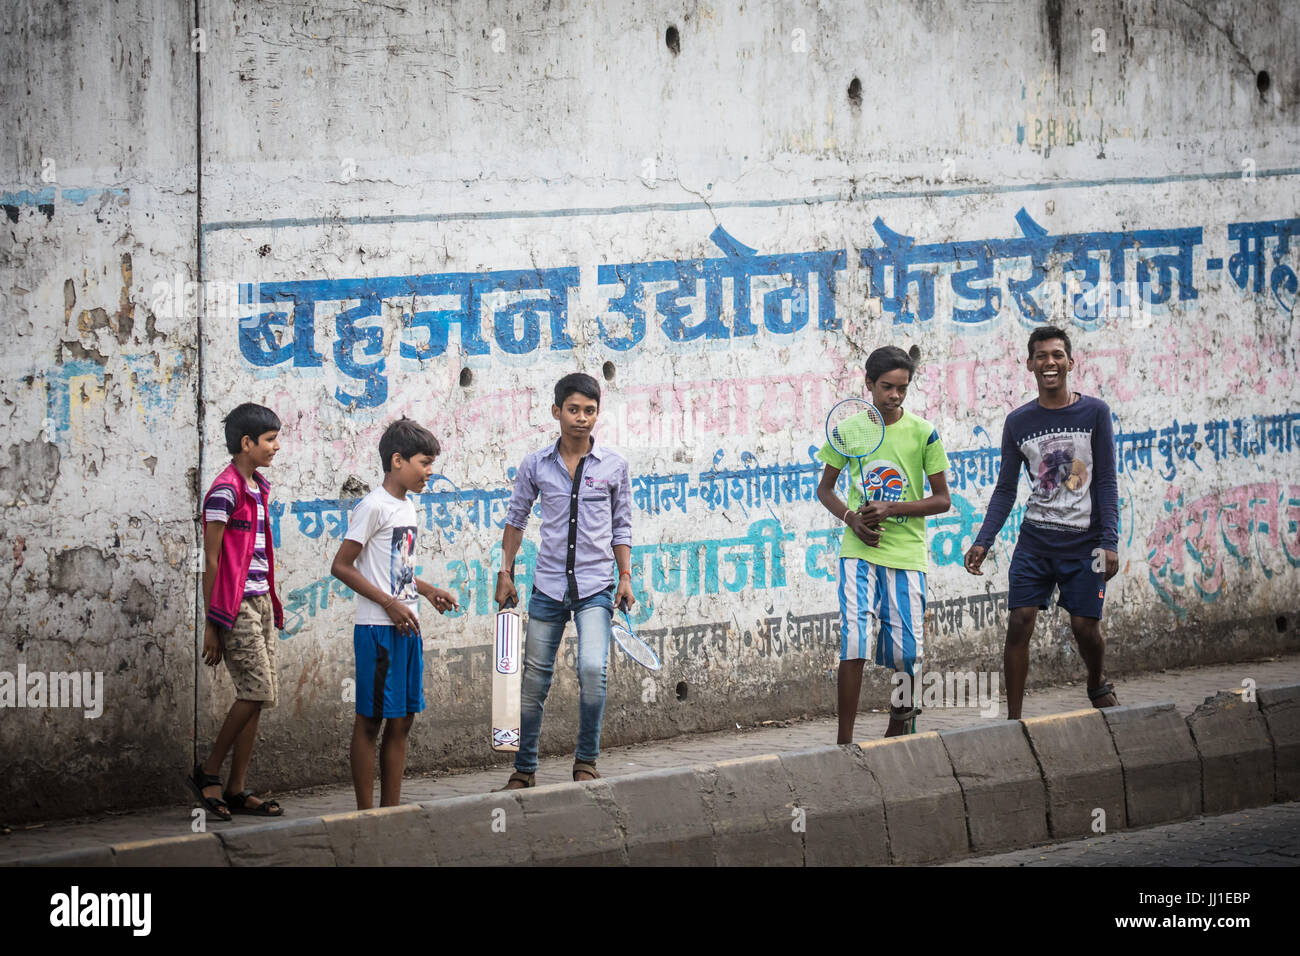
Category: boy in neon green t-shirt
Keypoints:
(883, 557)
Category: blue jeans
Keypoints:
(546, 620)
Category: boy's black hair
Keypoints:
(887, 358)
(248, 419)
(408, 438)
(1045, 332)
(579, 382)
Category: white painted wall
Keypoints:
(364, 142)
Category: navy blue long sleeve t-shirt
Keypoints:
(1069, 454)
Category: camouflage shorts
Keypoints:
(250, 651)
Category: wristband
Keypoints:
(624, 574)
(845, 517)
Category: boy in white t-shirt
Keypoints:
(377, 561)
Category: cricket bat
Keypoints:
(507, 680)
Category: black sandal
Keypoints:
(1097, 693)
(239, 804)
(214, 805)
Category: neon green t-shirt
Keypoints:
(895, 472)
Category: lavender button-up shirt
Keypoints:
(583, 517)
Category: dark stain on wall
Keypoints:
(82, 569)
(29, 470)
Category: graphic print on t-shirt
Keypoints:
(886, 481)
(1060, 465)
(402, 564)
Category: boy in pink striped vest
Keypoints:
(243, 610)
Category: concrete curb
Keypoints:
(756, 819)
(394, 836)
(1003, 790)
(1281, 709)
(195, 849)
(1081, 771)
(913, 799)
(844, 808)
(1236, 753)
(924, 813)
(662, 815)
(1162, 771)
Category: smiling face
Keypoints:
(261, 452)
(1051, 365)
(412, 474)
(577, 416)
(888, 392)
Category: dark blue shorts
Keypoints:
(390, 671)
(1033, 577)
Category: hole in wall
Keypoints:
(466, 378)
(1281, 624)
(1262, 82)
(914, 353)
(608, 371)
(855, 91)
(674, 40)
(682, 690)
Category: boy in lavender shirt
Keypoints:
(586, 527)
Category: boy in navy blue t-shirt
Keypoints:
(1070, 534)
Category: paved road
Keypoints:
(1186, 687)
(1267, 836)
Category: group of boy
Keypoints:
(1068, 540)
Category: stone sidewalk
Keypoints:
(1186, 687)
(1263, 836)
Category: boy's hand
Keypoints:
(624, 598)
(404, 619)
(506, 589)
(874, 511)
(868, 534)
(1112, 564)
(213, 645)
(974, 558)
(444, 601)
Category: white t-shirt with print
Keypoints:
(385, 528)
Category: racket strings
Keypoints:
(858, 434)
(634, 647)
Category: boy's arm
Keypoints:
(444, 601)
(866, 532)
(213, 643)
(1000, 505)
(621, 522)
(1107, 484)
(521, 503)
(344, 568)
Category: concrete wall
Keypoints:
(99, 455)
(438, 211)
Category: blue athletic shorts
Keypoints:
(1033, 577)
(390, 671)
(894, 599)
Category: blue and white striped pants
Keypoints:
(894, 598)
